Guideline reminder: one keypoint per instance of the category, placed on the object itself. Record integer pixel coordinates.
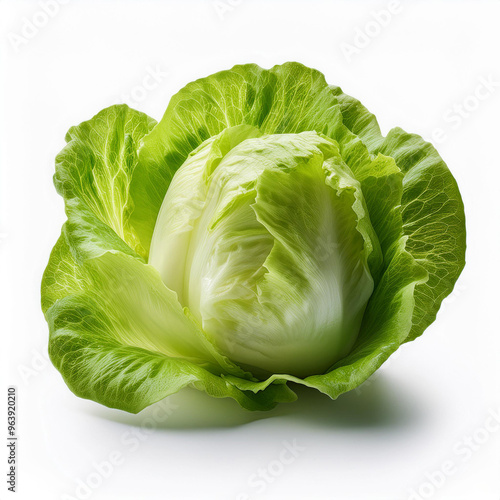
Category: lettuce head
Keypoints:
(263, 232)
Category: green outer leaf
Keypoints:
(433, 221)
(95, 366)
(382, 185)
(97, 164)
(62, 275)
(433, 211)
(88, 237)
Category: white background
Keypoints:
(424, 410)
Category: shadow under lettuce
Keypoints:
(378, 403)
